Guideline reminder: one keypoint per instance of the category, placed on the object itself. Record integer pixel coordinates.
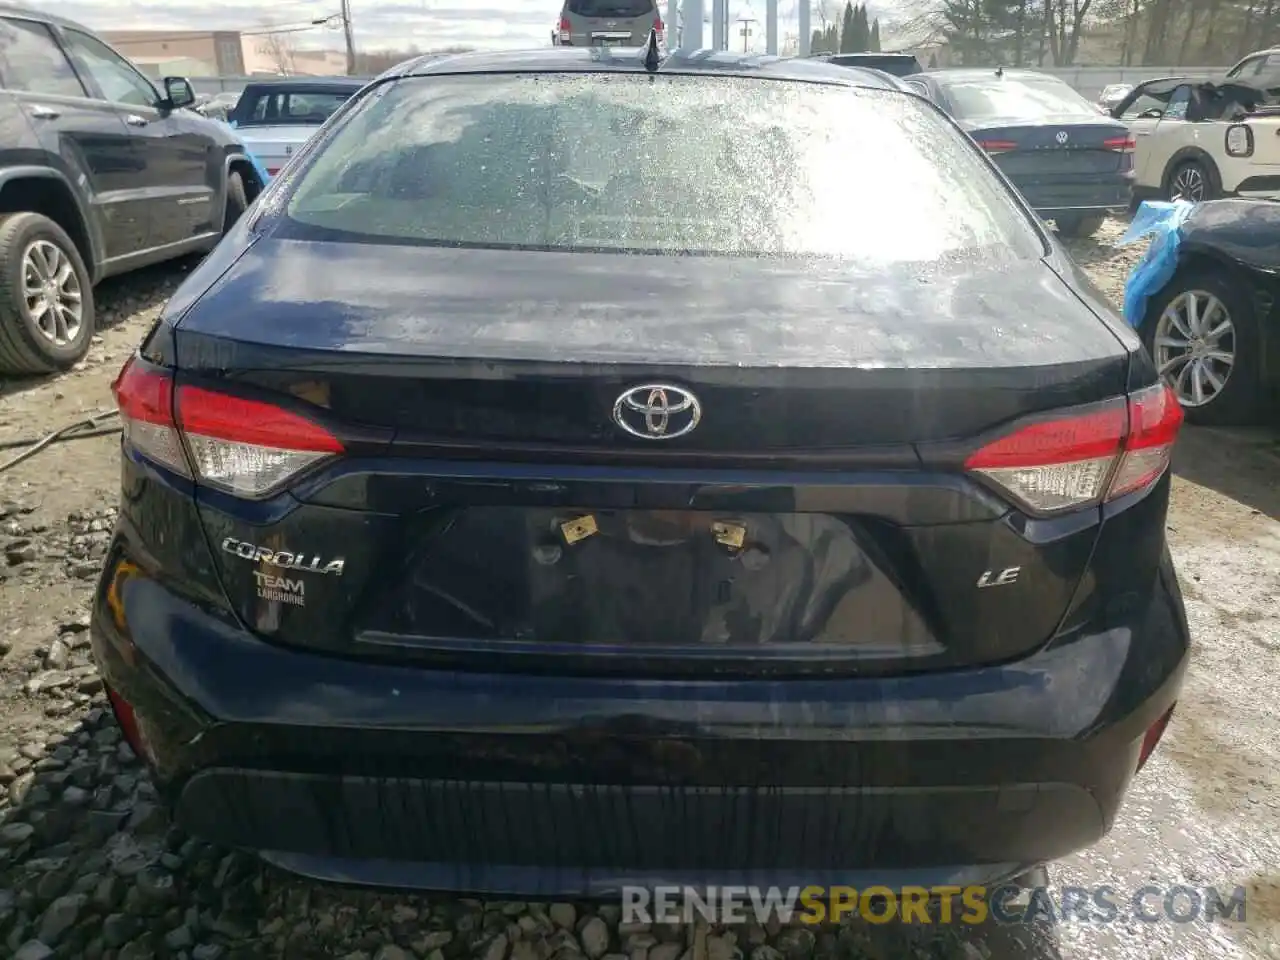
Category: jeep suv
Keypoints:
(100, 173)
(608, 23)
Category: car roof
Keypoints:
(1158, 80)
(985, 73)
(310, 83)
(631, 60)
(869, 54)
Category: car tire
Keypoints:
(1193, 171)
(31, 247)
(1080, 227)
(1240, 398)
(237, 202)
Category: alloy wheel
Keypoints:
(1188, 184)
(1195, 346)
(51, 291)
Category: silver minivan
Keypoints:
(608, 23)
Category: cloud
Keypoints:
(380, 24)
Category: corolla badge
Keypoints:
(657, 411)
(285, 559)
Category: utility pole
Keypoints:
(350, 37)
(746, 31)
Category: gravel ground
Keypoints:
(89, 867)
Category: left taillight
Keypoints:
(1125, 144)
(996, 147)
(1084, 458)
(247, 448)
(145, 401)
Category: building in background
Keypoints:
(222, 53)
(273, 55)
(158, 67)
(201, 52)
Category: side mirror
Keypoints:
(178, 92)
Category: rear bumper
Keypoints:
(538, 785)
(1050, 198)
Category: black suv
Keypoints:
(100, 173)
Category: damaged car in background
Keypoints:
(1204, 299)
(1202, 139)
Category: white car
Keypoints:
(1202, 139)
(276, 117)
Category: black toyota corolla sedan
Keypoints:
(584, 468)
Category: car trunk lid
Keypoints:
(274, 146)
(489, 502)
(1069, 148)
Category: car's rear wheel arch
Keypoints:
(248, 175)
(1248, 307)
(1187, 156)
(51, 197)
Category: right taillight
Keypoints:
(1085, 458)
(243, 447)
(566, 31)
(998, 146)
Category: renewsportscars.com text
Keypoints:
(1009, 904)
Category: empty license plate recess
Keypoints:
(646, 578)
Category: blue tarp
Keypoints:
(1163, 223)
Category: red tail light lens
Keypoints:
(997, 146)
(1153, 736)
(243, 447)
(1125, 144)
(659, 25)
(145, 401)
(128, 723)
(1155, 417)
(566, 30)
(1086, 458)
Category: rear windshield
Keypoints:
(293, 107)
(634, 163)
(1016, 99)
(898, 66)
(611, 8)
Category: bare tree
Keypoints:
(280, 49)
(1064, 21)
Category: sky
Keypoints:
(383, 24)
